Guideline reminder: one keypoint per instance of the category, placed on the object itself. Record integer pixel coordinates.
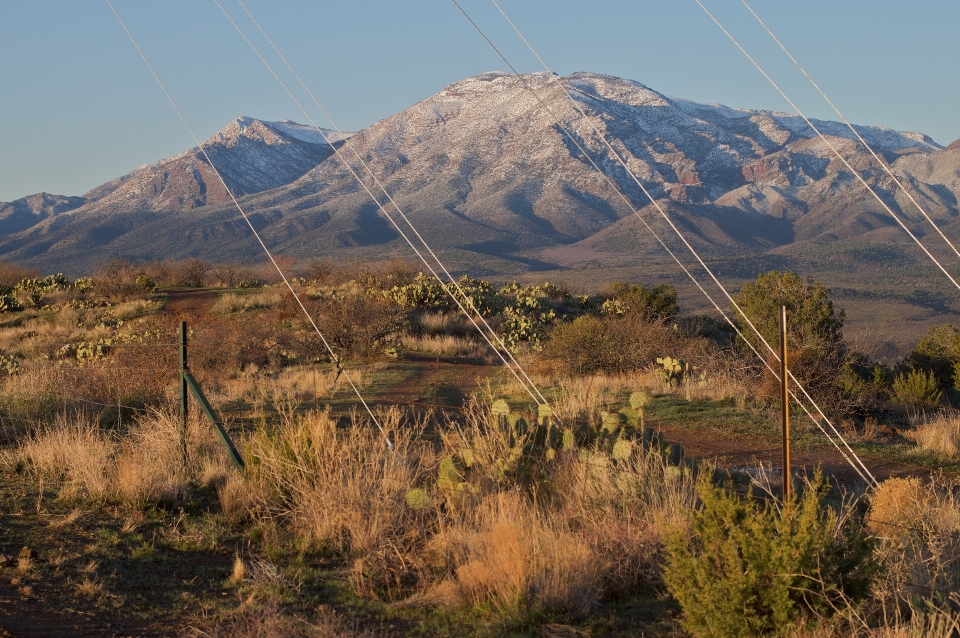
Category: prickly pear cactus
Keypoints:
(622, 450)
(452, 478)
(9, 303)
(674, 371)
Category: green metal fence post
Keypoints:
(208, 410)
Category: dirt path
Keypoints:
(441, 382)
(193, 301)
(732, 453)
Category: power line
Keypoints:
(489, 335)
(834, 149)
(862, 470)
(879, 160)
(247, 220)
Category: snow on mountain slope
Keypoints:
(482, 168)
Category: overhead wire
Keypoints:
(249, 223)
(489, 335)
(832, 147)
(862, 470)
(883, 164)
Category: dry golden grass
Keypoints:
(443, 345)
(342, 488)
(142, 466)
(917, 524)
(232, 303)
(940, 435)
(507, 553)
(90, 587)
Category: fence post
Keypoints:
(183, 391)
(785, 408)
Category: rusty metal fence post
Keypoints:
(785, 409)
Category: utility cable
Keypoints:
(247, 219)
(391, 200)
(525, 382)
(862, 470)
(832, 147)
(879, 160)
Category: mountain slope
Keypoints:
(495, 186)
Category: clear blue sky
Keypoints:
(79, 107)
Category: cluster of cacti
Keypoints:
(613, 307)
(8, 366)
(674, 371)
(107, 321)
(84, 351)
(523, 448)
(249, 282)
(30, 290)
(527, 317)
(8, 303)
(83, 284)
(47, 284)
(423, 292)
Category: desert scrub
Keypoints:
(342, 489)
(750, 568)
(940, 436)
(137, 467)
(917, 388)
(917, 526)
(521, 561)
(262, 299)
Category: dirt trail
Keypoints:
(194, 301)
(443, 382)
(729, 453)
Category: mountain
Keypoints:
(493, 184)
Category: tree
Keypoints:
(938, 352)
(817, 352)
(812, 322)
(658, 302)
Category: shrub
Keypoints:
(191, 273)
(917, 387)
(11, 273)
(659, 302)
(916, 525)
(750, 569)
(938, 351)
(812, 321)
(814, 331)
(583, 346)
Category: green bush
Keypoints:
(747, 569)
(583, 346)
(812, 322)
(659, 302)
(917, 387)
(818, 353)
(939, 352)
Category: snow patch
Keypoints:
(303, 132)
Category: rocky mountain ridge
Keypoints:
(496, 187)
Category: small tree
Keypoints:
(812, 321)
(938, 352)
(658, 302)
(748, 569)
(814, 329)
